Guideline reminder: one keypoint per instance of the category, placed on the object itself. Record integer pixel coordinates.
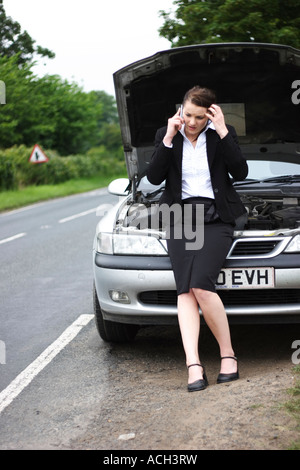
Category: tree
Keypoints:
(61, 116)
(109, 128)
(17, 81)
(210, 21)
(51, 111)
(15, 42)
(54, 113)
(110, 112)
(48, 110)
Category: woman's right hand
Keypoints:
(175, 123)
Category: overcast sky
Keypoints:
(91, 38)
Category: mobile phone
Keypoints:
(181, 111)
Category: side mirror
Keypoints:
(119, 187)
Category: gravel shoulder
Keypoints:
(147, 406)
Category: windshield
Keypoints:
(260, 170)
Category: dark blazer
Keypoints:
(224, 158)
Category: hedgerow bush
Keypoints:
(7, 173)
(16, 171)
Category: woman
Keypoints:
(195, 153)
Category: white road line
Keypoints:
(14, 237)
(81, 214)
(28, 374)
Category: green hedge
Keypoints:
(16, 170)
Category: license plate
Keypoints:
(245, 278)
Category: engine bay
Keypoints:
(262, 213)
(271, 213)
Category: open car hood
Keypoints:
(257, 85)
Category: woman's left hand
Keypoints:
(216, 115)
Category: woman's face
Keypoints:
(194, 118)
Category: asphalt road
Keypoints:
(46, 274)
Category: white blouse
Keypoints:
(195, 171)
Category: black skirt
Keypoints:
(197, 263)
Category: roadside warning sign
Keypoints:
(37, 155)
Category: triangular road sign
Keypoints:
(37, 155)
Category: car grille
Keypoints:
(229, 298)
(257, 248)
(253, 248)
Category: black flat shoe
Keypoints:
(223, 378)
(200, 384)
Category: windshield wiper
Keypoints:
(274, 179)
(282, 179)
(245, 182)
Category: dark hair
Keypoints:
(200, 96)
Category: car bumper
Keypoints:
(150, 286)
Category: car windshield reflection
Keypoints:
(262, 170)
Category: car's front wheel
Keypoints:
(109, 330)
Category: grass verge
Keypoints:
(14, 199)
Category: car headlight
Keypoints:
(129, 244)
(104, 243)
(294, 245)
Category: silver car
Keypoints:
(258, 88)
